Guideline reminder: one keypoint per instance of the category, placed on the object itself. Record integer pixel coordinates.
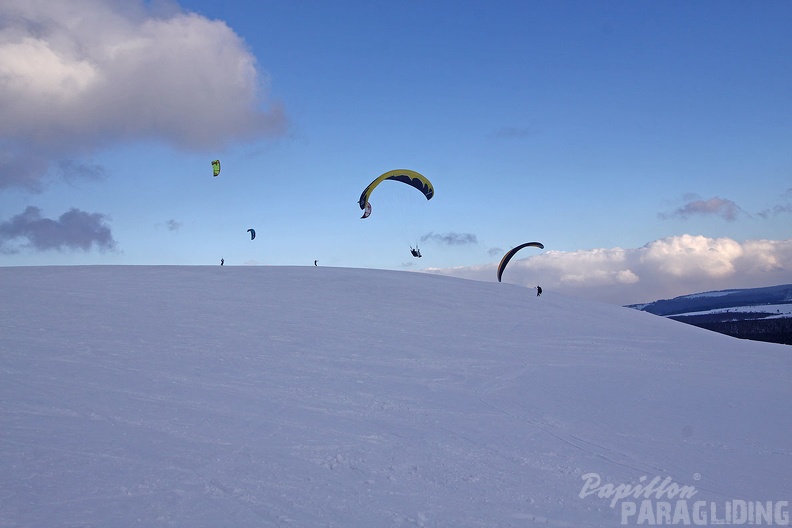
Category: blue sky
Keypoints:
(619, 134)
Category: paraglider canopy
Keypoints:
(216, 167)
(507, 257)
(419, 181)
(366, 211)
(252, 233)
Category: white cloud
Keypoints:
(660, 269)
(688, 256)
(596, 266)
(85, 73)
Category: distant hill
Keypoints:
(761, 314)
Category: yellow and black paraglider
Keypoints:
(216, 167)
(509, 254)
(417, 180)
(252, 233)
(405, 200)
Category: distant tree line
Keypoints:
(746, 326)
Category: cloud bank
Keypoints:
(74, 230)
(451, 238)
(726, 209)
(82, 74)
(661, 269)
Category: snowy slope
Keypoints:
(765, 311)
(743, 300)
(763, 314)
(262, 396)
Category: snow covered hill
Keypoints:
(286, 396)
(763, 314)
(746, 300)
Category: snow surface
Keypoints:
(286, 396)
(719, 293)
(777, 311)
